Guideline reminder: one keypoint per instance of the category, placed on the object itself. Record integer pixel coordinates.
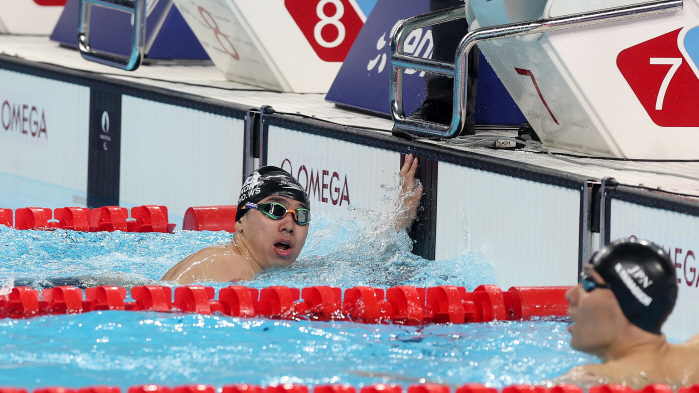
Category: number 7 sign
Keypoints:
(662, 80)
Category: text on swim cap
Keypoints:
(640, 276)
(631, 284)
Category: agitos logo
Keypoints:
(23, 119)
(320, 184)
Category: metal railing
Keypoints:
(135, 7)
(459, 69)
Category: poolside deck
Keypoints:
(205, 81)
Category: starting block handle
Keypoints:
(459, 70)
(129, 63)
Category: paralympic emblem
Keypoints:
(663, 74)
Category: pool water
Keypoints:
(127, 348)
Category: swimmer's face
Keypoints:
(273, 243)
(597, 318)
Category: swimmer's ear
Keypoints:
(240, 224)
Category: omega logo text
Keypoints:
(321, 184)
(685, 265)
(24, 119)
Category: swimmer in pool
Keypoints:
(271, 227)
(624, 296)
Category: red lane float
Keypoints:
(74, 218)
(195, 299)
(657, 388)
(381, 388)
(210, 218)
(242, 388)
(100, 389)
(151, 298)
(239, 301)
(475, 388)
(55, 390)
(333, 389)
(150, 218)
(194, 389)
(6, 217)
(149, 389)
(22, 302)
(61, 300)
(287, 388)
(32, 218)
(566, 389)
(429, 388)
(401, 305)
(376, 388)
(147, 218)
(527, 302)
(324, 303)
(524, 389)
(104, 297)
(611, 388)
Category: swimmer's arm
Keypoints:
(410, 194)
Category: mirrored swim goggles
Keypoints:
(277, 211)
(589, 284)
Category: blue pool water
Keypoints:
(127, 348)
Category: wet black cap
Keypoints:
(268, 181)
(642, 278)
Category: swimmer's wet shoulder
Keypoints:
(217, 263)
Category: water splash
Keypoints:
(7, 286)
(366, 250)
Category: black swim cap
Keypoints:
(267, 181)
(642, 278)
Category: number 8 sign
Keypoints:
(330, 26)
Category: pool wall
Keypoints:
(537, 226)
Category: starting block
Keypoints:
(624, 88)
(167, 36)
(286, 45)
(29, 16)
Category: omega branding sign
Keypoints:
(323, 185)
(685, 262)
(23, 119)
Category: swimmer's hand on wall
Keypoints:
(410, 194)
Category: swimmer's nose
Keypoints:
(286, 224)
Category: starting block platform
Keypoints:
(183, 136)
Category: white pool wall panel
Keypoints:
(371, 173)
(27, 17)
(57, 156)
(530, 231)
(179, 157)
(677, 233)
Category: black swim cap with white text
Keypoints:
(268, 181)
(642, 278)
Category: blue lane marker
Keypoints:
(691, 44)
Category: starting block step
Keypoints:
(624, 89)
